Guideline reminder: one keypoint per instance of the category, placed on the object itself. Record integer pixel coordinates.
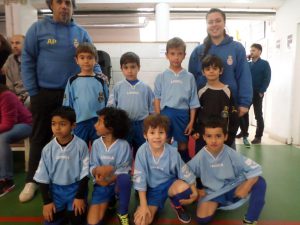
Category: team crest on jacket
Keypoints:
(76, 43)
(101, 97)
(229, 60)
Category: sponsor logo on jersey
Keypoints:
(176, 82)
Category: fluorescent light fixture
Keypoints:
(45, 10)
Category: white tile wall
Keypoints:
(152, 58)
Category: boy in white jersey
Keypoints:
(63, 172)
(159, 173)
(133, 96)
(176, 96)
(110, 165)
(228, 178)
(86, 92)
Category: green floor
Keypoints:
(280, 168)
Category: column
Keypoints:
(19, 16)
(162, 18)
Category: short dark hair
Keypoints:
(117, 120)
(257, 46)
(87, 47)
(130, 57)
(176, 42)
(215, 121)
(48, 2)
(156, 120)
(65, 112)
(212, 60)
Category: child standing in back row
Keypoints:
(215, 99)
(63, 172)
(176, 96)
(133, 96)
(228, 177)
(86, 92)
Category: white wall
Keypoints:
(153, 60)
(284, 88)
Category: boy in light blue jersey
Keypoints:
(159, 173)
(228, 178)
(63, 172)
(176, 96)
(110, 165)
(133, 96)
(86, 92)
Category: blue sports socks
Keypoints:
(183, 195)
(124, 188)
(257, 200)
(205, 220)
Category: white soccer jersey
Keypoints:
(224, 172)
(86, 95)
(151, 171)
(118, 155)
(63, 165)
(136, 100)
(177, 91)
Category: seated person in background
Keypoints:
(110, 165)
(133, 96)
(15, 125)
(159, 173)
(5, 51)
(227, 176)
(12, 69)
(215, 99)
(63, 171)
(86, 93)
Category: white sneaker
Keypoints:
(28, 192)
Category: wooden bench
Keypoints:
(22, 146)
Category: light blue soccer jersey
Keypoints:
(136, 100)
(86, 95)
(63, 165)
(178, 91)
(118, 155)
(224, 172)
(151, 171)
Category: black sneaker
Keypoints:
(182, 215)
(6, 186)
(123, 219)
(256, 141)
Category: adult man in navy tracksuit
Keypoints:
(47, 63)
(261, 77)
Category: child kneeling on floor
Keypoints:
(110, 165)
(63, 172)
(160, 173)
(228, 177)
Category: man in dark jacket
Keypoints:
(261, 77)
